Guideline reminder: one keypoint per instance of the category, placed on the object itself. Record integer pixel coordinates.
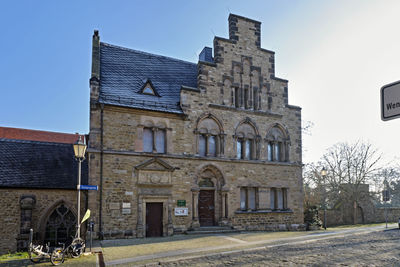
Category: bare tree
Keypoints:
(350, 167)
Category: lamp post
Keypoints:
(79, 151)
(323, 174)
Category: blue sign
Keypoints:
(88, 187)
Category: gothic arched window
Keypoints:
(60, 226)
(247, 141)
(210, 137)
(277, 145)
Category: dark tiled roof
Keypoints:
(123, 72)
(34, 164)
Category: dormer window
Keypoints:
(148, 89)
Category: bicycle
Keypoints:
(74, 249)
(37, 252)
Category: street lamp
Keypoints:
(79, 151)
(323, 174)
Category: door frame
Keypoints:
(141, 220)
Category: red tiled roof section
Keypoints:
(35, 135)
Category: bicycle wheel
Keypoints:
(34, 256)
(57, 256)
(77, 247)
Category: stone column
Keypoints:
(195, 205)
(139, 226)
(224, 221)
(170, 227)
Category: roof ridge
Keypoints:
(33, 141)
(147, 53)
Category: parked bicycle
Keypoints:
(37, 252)
(57, 255)
(74, 249)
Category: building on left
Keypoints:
(38, 181)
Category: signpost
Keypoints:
(390, 101)
(87, 187)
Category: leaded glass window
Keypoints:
(60, 226)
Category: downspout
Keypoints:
(101, 236)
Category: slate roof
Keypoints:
(35, 164)
(123, 72)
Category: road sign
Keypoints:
(88, 187)
(390, 101)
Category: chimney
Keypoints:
(94, 81)
(206, 55)
(96, 55)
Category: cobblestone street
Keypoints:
(368, 249)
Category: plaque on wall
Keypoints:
(126, 205)
(181, 211)
(181, 203)
(126, 211)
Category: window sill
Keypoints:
(262, 211)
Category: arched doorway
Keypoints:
(60, 225)
(206, 202)
(209, 198)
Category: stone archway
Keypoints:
(209, 198)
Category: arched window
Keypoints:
(60, 226)
(277, 145)
(247, 141)
(210, 137)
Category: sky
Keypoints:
(335, 54)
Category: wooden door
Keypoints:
(154, 216)
(206, 207)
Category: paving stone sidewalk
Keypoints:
(144, 251)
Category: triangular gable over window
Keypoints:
(148, 89)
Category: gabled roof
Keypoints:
(124, 72)
(34, 164)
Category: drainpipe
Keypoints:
(101, 173)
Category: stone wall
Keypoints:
(375, 215)
(45, 202)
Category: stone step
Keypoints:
(212, 230)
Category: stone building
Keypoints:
(38, 178)
(175, 145)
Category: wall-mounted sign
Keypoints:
(126, 211)
(181, 203)
(181, 211)
(126, 205)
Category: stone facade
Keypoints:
(30, 208)
(237, 145)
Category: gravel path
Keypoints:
(373, 249)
